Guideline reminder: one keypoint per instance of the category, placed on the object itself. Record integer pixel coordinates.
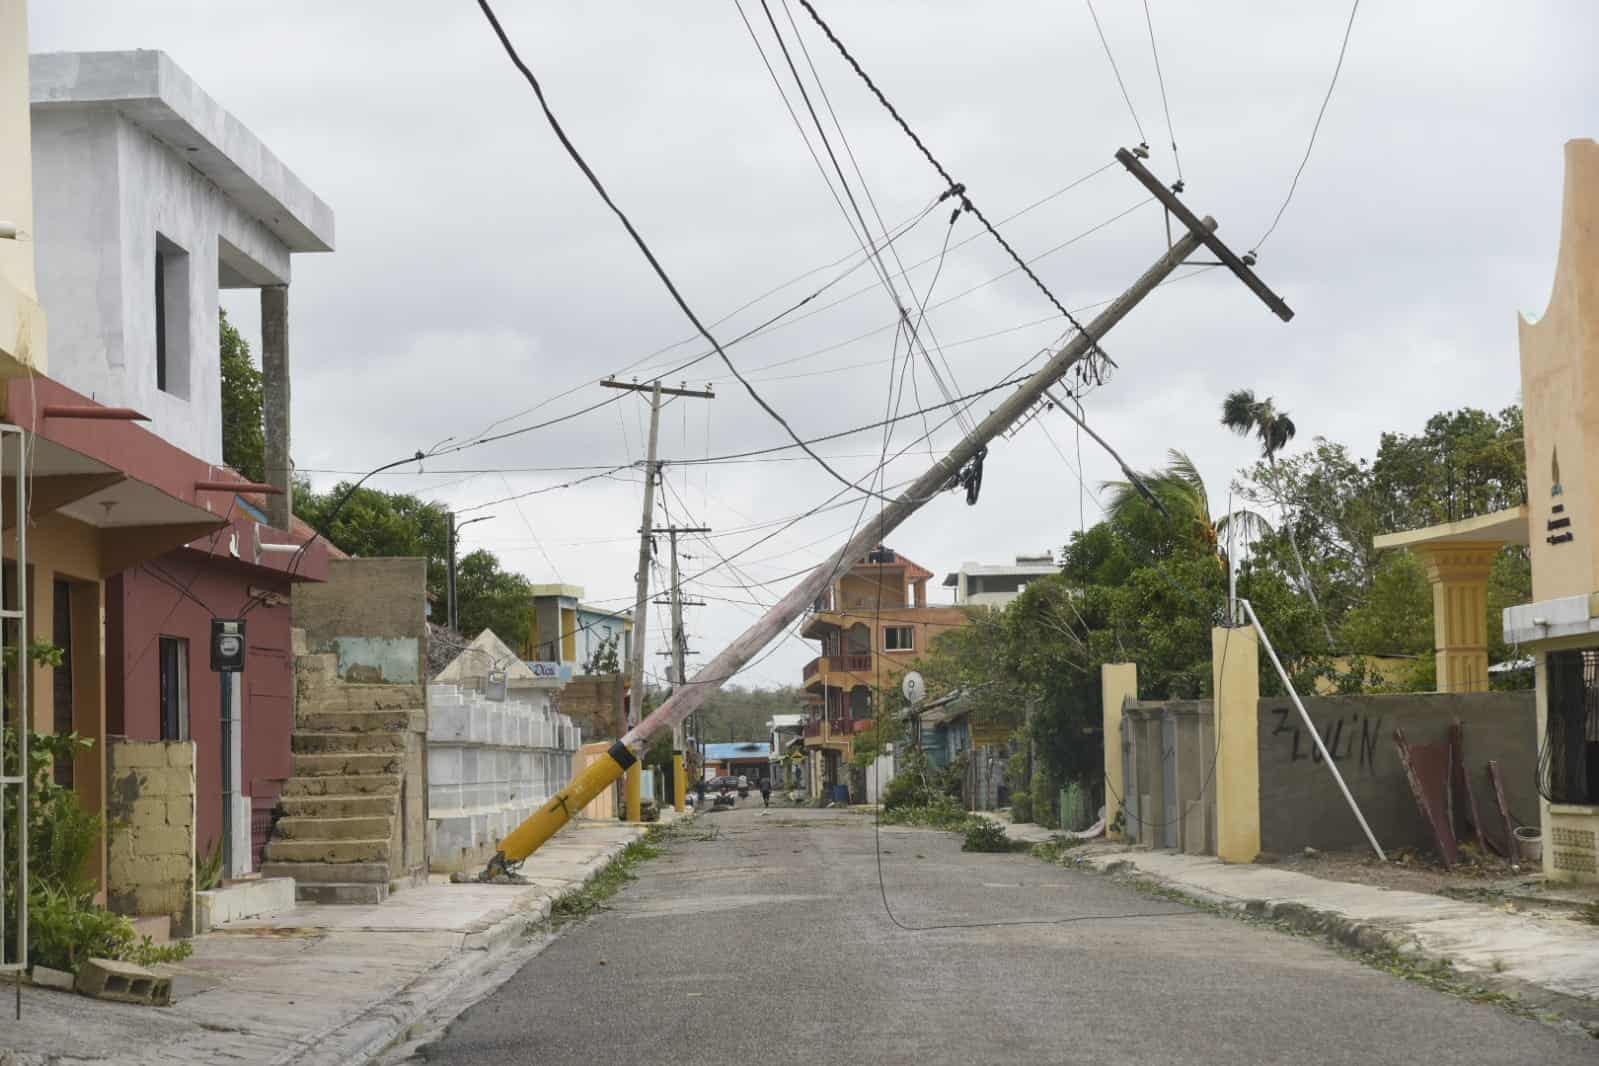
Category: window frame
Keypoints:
(910, 633)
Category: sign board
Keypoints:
(545, 670)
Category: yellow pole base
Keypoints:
(545, 822)
(632, 790)
(679, 783)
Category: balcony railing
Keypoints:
(838, 664)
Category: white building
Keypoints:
(186, 201)
(980, 585)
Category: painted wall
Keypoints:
(105, 189)
(22, 323)
(141, 609)
(152, 801)
(1299, 801)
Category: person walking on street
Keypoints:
(766, 792)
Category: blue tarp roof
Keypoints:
(740, 751)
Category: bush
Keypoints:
(1046, 801)
(1021, 807)
(985, 835)
(944, 812)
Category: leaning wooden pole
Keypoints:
(600, 774)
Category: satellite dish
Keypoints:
(914, 687)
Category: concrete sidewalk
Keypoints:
(319, 984)
(1548, 963)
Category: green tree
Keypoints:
(1183, 520)
(488, 597)
(1242, 413)
(243, 436)
(373, 524)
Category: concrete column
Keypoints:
(1235, 677)
(275, 402)
(1118, 683)
(88, 707)
(1459, 572)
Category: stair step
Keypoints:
(391, 721)
(342, 697)
(332, 829)
(329, 851)
(353, 805)
(319, 743)
(343, 764)
(342, 785)
(322, 873)
(350, 892)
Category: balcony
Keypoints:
(858, 664)
(837, 728)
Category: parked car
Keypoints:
(718, 784)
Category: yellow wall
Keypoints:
(1560, 393)
(1119, 682)
(1235, 675)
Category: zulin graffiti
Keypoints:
(1352, 737)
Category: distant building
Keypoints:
(981, 585)
(568, 631)
(873, 622)
(749, 758)
(785, 729)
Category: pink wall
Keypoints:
(140, 608)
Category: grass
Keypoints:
(591, 898)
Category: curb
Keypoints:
(1578, 1014)
(366, 1036)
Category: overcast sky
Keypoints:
(477, 277)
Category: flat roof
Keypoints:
(1506, 527)
(154, 93)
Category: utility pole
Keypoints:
(679, 655)
(451, 605)
(964, 459)
(652, 469)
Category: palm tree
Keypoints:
(1181, 495)
(1246, 416)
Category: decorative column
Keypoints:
(275, 402)
(1458, 571)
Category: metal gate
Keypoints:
(14, 719)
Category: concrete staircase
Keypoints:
(341, 836)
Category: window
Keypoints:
(174, 688)
(171, 318)
(899, 638)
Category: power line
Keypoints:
(643, 246)
(1143, 141)
(1339, 66)
(1164, 106)
(965, 199)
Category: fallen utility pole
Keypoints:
(632, 800)
(545, 822)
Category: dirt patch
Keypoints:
(1413, 872)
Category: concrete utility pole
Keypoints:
(944, 474)
(635, 775)
(679, 655)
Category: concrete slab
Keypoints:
(259, 898)
(1514, 951)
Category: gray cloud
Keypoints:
(477, 275)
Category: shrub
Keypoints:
(1046, 800)
(985, 835)
(1021, 807)
(944, 812)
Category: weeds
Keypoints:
(591, 898)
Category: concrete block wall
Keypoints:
(152, 839)
(489, 766)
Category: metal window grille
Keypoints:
(1568, 761)
(14, 753)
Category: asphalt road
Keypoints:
(768, 943)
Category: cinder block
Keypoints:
(180, 811)
(136, 755)
(161, 840)
(123, 982)
(45, 977)
(180, 754)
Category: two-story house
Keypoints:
(996, 584)
(591, 647)
(150, 199)
(873, 622)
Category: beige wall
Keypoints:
(152, 853)
(1560, 392)
(22, 327)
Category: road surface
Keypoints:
(762, 938)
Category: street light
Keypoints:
(449, 609)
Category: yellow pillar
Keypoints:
(1235, 677)
(1458, 571)
(679, 783)
(1118, 683)
(632, 788)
